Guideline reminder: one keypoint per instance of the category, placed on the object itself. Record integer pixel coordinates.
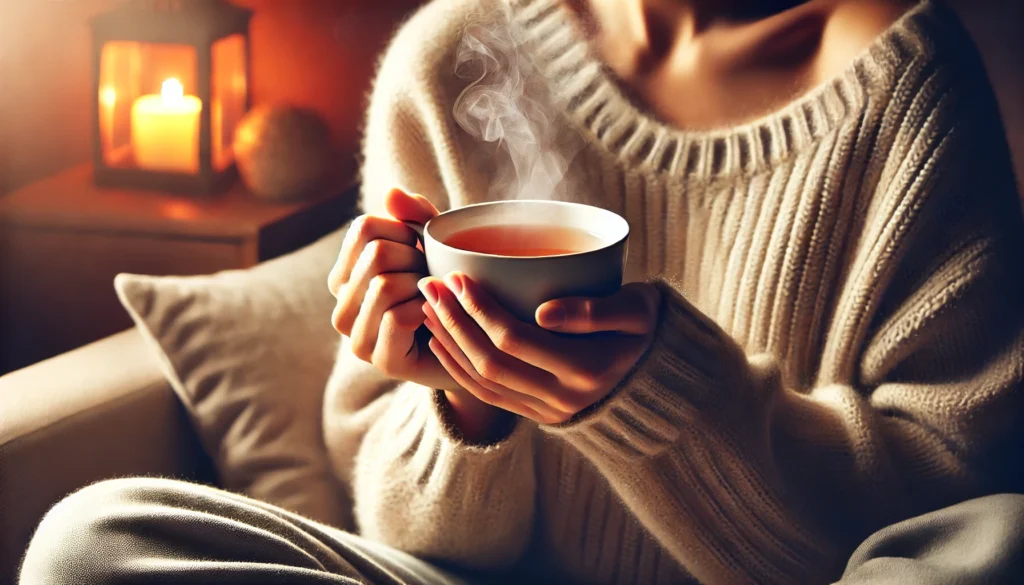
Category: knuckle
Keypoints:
(392, 322)
(388, 322)
(566, 402)
(586, 379)
(508, 340)
(489, 368)
(362, 227)
(400, 320)
(376, 254)
(382, 287)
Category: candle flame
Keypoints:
(108, 96)
(171, 90)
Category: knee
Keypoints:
(85, 537)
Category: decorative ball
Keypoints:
(283, 152)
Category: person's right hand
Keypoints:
(380, 307)
(374, 281)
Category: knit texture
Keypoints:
(841, 340)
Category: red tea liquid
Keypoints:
(524, 240)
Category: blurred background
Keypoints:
(318, 53)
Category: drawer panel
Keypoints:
(56, 287)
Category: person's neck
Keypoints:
(689, 16)
(686, 18)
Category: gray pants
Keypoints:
(156, 531)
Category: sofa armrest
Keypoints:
(101, 411)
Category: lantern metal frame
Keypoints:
(195, 23)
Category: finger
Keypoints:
(396, 350)
(465, 381)
(365, 229)
(401, 356)
(507, 333)
(463, 362)
(487, 360)
(409, 207)
(384, 292)
(378, 257)
(470, 385)
(632, 310)
(560, 359)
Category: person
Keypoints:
(819, 344)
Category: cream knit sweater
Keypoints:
(841, 346)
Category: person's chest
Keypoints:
(762, 255)
(734, 72)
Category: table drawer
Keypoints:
(57, 292)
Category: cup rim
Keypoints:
(610, 243)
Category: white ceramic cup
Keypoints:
(521, 284)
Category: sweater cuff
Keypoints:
(421, 490)
(691, 372)
(440, 417)
(421, 443)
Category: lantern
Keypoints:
(171, 83)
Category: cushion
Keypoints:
(249, 353)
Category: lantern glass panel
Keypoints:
(228, 95)
(144, 92)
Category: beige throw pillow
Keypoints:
(249, 353)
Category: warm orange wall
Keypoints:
(318, 53)
(311, 52)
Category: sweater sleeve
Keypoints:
(416, 485)
(745, 479)
(420, 488)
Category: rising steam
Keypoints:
(508, 103)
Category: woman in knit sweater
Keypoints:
(822, 334)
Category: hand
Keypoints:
(538, 372)
(379, 306)
(374, 282)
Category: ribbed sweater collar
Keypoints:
(598, 104)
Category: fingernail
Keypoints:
(554, 316)
(428, 290)
(454, 282)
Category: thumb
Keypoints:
(409, 207)
(633, 309)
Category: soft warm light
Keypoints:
(179, 210)
(171, 90)
(165, 130)
(108, 96)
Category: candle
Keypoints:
(165, 130)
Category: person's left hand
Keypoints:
(538, 372)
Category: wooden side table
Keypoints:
(62, 241)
